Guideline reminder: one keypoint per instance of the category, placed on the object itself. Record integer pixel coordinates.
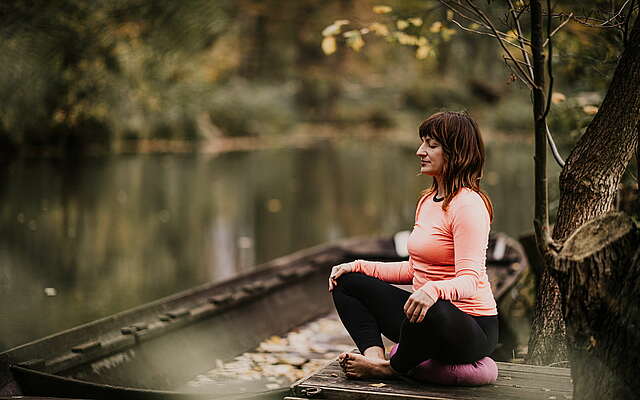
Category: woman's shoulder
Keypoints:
(467, 196)
(469, 199)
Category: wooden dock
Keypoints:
(515, 381)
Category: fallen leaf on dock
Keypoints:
(378, 384)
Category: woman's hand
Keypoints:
(417, 306)
(338, 271)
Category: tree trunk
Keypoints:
(597, 268)
(598, 272)
(547, 343)
(590, 178)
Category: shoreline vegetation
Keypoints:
(129, 77)
(305, 136)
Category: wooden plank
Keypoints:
(515, 381)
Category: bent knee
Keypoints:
(350, 279)
(439, 313)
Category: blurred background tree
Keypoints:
(97, 74)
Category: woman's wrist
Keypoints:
(429, 291)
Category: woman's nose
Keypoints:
(421, 151)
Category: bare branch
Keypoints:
(522, 39)
(463, 15)
(618, 13)
(554, 149)
(513, 70)
(557, 29)
(516, 19)
(552, 144)
(524, 63)
(549, 64)
(501, 41)
(525, 51)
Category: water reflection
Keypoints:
(112, 233)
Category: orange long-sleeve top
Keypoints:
(447, 254)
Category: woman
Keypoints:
(451, 315)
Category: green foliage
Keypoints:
(572, 116)
(437, 94)
(103, 71)
(79, 66)
(513, 114)
(242, 108)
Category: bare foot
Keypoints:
(357, 366)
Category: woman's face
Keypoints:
(431, 157)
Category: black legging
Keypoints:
(368, 307)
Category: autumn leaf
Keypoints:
(415, 21)
(402, 24)
(557, 97)
(379, 29)
(407, 40)
(590, 110)
(447, 33)
(423, 52)
(449, 15)
(382, 9)
(512, 35)
(436, 27)
(354, 40)
(329, 45)
(378, 385)
(334, 28)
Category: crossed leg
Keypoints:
(369, 307)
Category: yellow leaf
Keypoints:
(474, 26)
(378, 384)
(329, 45)
(436, 27)
(331, 30)
(422, 41)
(512, 35)
(557, 97)
(379, 29)
(405, 39)
(590, 110)
(449, 15)
(447, 33)
(334, 28)
(402, 24)
(382, 9)
(415, 21)
(423, 52)
(354, 40)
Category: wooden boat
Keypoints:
(146, 352)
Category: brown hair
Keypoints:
(459, 136)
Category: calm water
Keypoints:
(108, 234)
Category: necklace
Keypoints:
(436, 199)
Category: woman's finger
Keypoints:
(414, 314)
(410, 306)
(423, 312)
(333, 276)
